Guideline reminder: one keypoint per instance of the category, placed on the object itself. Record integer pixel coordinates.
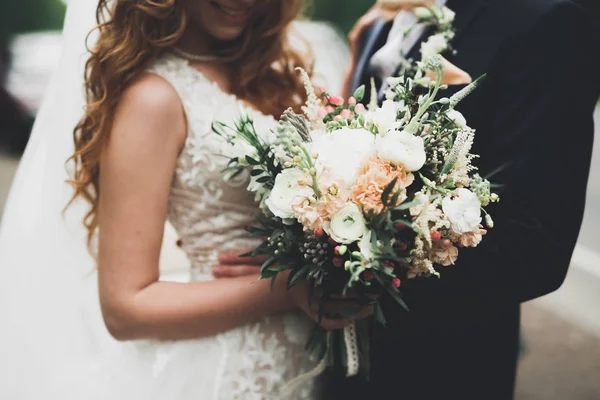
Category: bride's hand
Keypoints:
(231, 265)
(299, 296)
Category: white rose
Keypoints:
(343, 152)
(402, 148)
(286, 190)
(457, 118)
(463, 211)
(434, 45)
(347, 225)
(385, 117)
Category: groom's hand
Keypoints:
(231, 265)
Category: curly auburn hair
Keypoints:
(133, 33)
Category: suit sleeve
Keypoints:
(542, 132)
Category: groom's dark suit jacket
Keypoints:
(534, 125)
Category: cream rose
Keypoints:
(402, 148)
(348, 225)
(463, 211)
(286, 190)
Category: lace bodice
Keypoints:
(211, 215)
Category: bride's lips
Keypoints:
(232, 13)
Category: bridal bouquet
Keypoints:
(359, 199)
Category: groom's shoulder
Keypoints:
(533, 11)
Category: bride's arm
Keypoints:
(137, 166)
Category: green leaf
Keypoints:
(298, 275)
(378, 314)
(392, 291)
(359, 93)
(263, 179)
(251, 161)
(267, 264)
(256, 172)
(386, 192)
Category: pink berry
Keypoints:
(336, 118)
(447, 243)
(359, 109)
(330, 110)
(346, 114)
(400, 226)
(319, 232)
(322, 89)
(336, 100)
(338, 261)
(368, 276)
(435, 235)
(351, 100)
(396, 282)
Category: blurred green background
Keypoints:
(18, 16)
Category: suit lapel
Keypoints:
(371, 38)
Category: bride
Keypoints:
(159, 74)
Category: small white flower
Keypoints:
(402, 148)
(384, 118)
(464, 211)
(241, 149)
(347, 225)
(286, 190)
(365, 247)
(448, 16)
(343, 152)
(457, 118)
(434, 45)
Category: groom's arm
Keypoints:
(545, 95)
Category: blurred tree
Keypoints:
(18, 16)
(343, 13)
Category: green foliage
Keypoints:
(343, 13)
(19, 16)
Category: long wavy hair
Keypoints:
(132, 33)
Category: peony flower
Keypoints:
(444, 256)
(374, 177)
(359, 109)
(343, 152)
(463, 211)
(347, 225)
(457, 118)
(469, 239)
(434, 45)
(385, 117)
(402, 148)
(288, 190)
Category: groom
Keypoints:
(533, 118)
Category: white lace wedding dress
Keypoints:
(252, 362)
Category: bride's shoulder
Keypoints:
(151, 100)
(152, 93)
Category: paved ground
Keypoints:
(562, 330)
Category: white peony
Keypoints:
(286, 190)
(457, 118)
(463, 211)
(434, 45)
(402, 148)
(385, 117)
(343, 152)
(347, 225)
